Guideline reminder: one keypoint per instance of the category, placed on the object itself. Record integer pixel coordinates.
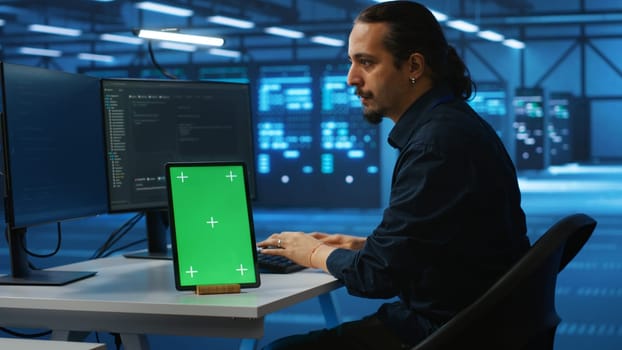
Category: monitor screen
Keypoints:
(53, 151)
(54, 146)
(151, 122)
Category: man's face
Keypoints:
(379, 84)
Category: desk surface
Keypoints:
(33, 344)
(139, 296)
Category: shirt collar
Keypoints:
(413, 118)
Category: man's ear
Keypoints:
(417, 64)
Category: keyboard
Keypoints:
(277, 264)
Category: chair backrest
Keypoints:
(518, 311)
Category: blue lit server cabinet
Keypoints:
(559, 128)
(491, 103)
(528, 127)
(313, 147)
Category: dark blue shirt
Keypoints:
(454, 222)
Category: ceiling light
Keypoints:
(94, 57)
(121, 39)
(288, 33)
(513, 43)
(324, 40)
(178, 46)
(225, 53)
(231, 22)
(2, 22)
(41, 28)
(463, 26)
(166, 9)
(40, 52)
(441, 17)
(490, 35)
(181, 38)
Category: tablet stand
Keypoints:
(218, 289)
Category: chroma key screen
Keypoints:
(211, 225)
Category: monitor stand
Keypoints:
(157, 233)
(21, 274)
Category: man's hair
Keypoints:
(413, 28)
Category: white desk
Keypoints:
(34, 344)
(135, 297)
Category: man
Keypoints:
(454, 223)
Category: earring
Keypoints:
(412, 80)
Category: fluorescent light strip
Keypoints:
(490, 35)
(231, 22)
(177, 46)
(181, 38)
(324, 40)
(41, 28)
(513, 43)
(40, 52)
(463, 26)
(121, 39)
(288, 33)
(441, 17)
(225, 53)
(166, 9)
(94, 57)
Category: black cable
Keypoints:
(25, 335)
(48, 255)
(117, 340)
(157, 65)
(116, 235)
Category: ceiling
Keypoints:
(330, 18)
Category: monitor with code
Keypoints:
(212, 231)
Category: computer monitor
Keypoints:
(53, 159)
(151, 122)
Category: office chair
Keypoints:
(518, 312)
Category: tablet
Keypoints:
(212, 233)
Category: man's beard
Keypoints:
(372, 116)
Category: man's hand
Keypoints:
(339, 240)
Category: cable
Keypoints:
(117, 340)
(157, 65)
(56, 250)
(116, 235)
(25, 335)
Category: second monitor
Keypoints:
(151, 122)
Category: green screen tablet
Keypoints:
(212, 231)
